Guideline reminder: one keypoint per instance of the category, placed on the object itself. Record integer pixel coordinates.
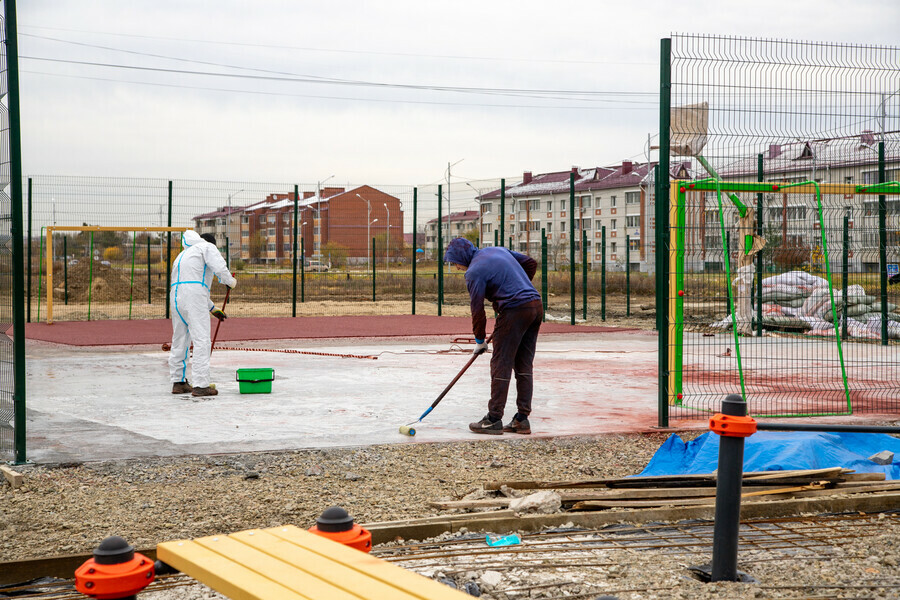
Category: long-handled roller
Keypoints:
(216, 334)
(408, 429)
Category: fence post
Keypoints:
(168, 253)
(294, 251)
(603, 273)
(845, 274)
(90, 275)
(28, 283)
(502, 212)
(759, 255)
(373, 269)
(572, 246)
(65, 269)
(662, 229)
(149, 283)
(584, 272)
(544, 270)
(627, 275)
(440, 248)
(415, 246)
(730, 475)
(882, 246)
(302, 270)
(496, 231)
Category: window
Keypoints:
(220, 222)
(245, 220)
(632, 197)
(586, 223)
(286, 232)
(270, 218)
(549, 206)
(612, 202)
(598, 225)
(486, 228)
(612, 247)
(584, 201)
(633, 221)
(562, 225)
(870, 177)
(534, 205)
(634, 244)
(271, 232)
(245, 233)
(712, 241)
(316, 230)
(549, 227)
(285, 217)
(612, 224)
(262, 219)
(534, 226)
(286, 248)
(486, 208)
(245, 247)
(270, 247)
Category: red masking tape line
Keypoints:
(288, 351)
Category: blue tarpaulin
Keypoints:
(779, 451)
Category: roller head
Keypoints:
(407, 430)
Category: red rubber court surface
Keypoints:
(157, 331)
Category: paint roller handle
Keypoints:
(224, 304)
(458, 375)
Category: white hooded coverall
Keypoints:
(192, 275)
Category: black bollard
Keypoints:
(728, 486)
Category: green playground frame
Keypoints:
(677, 252)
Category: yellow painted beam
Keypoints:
(106, 228)
(221, 573)
(399, 578)
(289, 563)
(328, 575)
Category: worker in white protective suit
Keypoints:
(192, 275)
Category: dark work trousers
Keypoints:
(513, 344)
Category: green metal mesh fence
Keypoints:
(7, 355)
(775, 290)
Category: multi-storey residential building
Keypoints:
(349, 219)
(453, 225)
(223, 223)
(794, 219)
(613, 197)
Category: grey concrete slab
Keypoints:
(114, 402)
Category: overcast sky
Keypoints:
(383, 92)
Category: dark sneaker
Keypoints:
(204, 391)
(182, 387)
(516, 426)
(487, 426)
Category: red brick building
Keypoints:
(348, 218)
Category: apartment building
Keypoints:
(454, 225)
(616, 198)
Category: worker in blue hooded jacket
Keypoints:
(503, 277)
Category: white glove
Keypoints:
(480, 347)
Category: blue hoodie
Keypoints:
(494, 273)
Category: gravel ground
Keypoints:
(65, 509)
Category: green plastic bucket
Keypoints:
(255, 381)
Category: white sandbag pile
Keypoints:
(800, 301)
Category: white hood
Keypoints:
(189, 238)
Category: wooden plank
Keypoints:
(241, 549)
(410, 530)
(325, 575)
(14, 478)
(659, 480)
(221, 574)
(396, 577)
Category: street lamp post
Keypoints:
(228, 225)
(369, 246)
(449, 166)
(368, 216)
(387, 245)
(480, 214)
(317, 222)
